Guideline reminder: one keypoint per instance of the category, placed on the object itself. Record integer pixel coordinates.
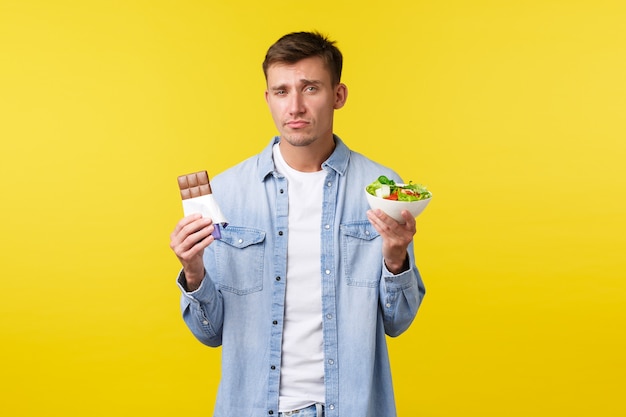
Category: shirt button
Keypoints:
(388, 305)
(327, 272)
(271, 412)
(277, 278)
(367, 233)
(275, 322)
(329, 183)
(332, 406)
(331, 362)
(282, 191)
(205, 322)
(272, 367)
(280, 233)
(327, 226)
(329, 316)
(240, 240)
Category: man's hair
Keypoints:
(296, 46)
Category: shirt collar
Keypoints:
(337, 161)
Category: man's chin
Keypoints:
(298, 139)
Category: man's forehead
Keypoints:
(307, 69)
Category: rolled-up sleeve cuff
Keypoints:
(399, 281)
(202, 294)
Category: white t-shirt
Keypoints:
(302, 362)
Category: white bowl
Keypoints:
(393, 208)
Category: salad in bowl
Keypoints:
(392, 198)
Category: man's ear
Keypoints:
(341, 95)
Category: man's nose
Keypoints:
(296, 104)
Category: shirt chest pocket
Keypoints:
(239, 256)
(361, 254)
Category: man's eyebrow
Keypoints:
(302, 81)
(309, 82)
(278, 87)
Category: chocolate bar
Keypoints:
(194, 185)
(195, 191)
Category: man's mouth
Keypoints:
(296, 124)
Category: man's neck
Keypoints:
(307, 158)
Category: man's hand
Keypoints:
(188, 241)
(396, 237)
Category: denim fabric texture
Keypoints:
(314, 410)
(240, 304)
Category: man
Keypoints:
(305, 281)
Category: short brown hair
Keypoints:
(296, 46)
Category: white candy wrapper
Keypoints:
(208, 207)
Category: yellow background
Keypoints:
(513, 113)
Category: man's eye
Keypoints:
(311, 89)
(280, 92)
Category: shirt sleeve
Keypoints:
(400, 297)
(202, 310)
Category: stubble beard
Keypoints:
(299, 139)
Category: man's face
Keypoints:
(302, 100)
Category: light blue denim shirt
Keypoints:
(240, 304)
